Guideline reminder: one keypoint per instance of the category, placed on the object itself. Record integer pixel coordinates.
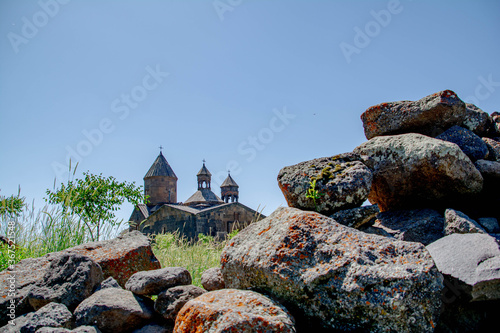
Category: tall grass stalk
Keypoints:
(174, 250)
(38, 232)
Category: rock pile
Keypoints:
(424, 257)
(67, 292)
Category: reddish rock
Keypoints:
(341, 277)
(121, 257)
(231, 310)
(430, 115)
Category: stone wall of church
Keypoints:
(221, 220)
(169, 219)
(217, 221)
(161, 189)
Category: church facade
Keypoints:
(202, 213)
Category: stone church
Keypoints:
(203, 212)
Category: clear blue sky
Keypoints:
(248, 85)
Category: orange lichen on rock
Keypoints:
(230, 310)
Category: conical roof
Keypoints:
(203, 171)
(229, 182)
(203, 195)
(160, 167)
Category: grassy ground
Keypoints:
(173, 250)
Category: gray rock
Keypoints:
(342, 182)
(171, 301)
(459, 223)
(416, 171)
(212, 279)
(490, 224)
(430, 116)
(155, 281)
(476, 120)
(471, 144)
(114, 310)
(52, 315)
(421, 225)
(230, 310)
(69, 279)
(339, 276)
(493, 148)
(15, 289)
(473, 260)
(81, 329)
(356, 217)
(108, 283)
(490, 170)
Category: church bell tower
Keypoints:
(160, 182)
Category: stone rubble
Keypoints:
(424, 257)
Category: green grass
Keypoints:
(38, 232)
(173, 250)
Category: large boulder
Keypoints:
(471, 144)
(230, 310)
(457, 222)
(155, 281)
(416, 171)
(339, 276)
(69, 279)
(114, 310)
(471, 259)
(121, 257)
(430, 115)
(52, 315)
(420, 225)
(356, 217)
(340, 182)
(171, 301)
